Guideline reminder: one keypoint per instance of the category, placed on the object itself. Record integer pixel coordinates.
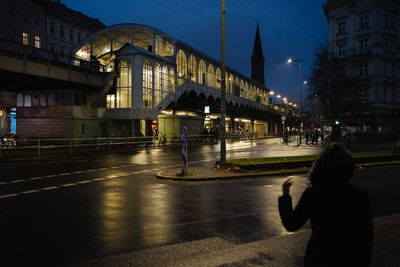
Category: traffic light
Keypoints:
(337, 122)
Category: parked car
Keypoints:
(9, 141)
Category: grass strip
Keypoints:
(268, 160)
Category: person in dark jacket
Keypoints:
(339, 212)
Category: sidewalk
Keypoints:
(211, 173)
(287, 250)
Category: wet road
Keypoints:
(63, 211)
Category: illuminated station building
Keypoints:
(162, 84)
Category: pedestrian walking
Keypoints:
(307, 136)
(316, 136)
(340, 213)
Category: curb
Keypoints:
(163, 176)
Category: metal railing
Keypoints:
(47, 147)
(41, 56)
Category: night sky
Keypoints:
(289, 28)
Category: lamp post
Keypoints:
(300, 89)
(223, 86)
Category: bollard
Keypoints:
(184, 139)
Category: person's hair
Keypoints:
(334, 166)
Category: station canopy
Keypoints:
(103, 44)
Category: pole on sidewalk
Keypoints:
(223, 86)
(184, 140)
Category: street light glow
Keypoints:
(284, 99)
(305, 82)
(289, 60)
(278, 96)
(271, 93)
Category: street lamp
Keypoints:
(223, 86)
(300, 89)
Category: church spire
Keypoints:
(257, 60)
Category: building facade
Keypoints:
(364, 62)
(42, 25)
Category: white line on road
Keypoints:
(99, 179)
(17, 181)
(50, 176)
(65, 173)
(1, 183)
(66, 185)
(50, 188)
(77, 172)
(9, 195)
(84, 182)
(35, 178)
(30, 191)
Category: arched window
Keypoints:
(164, 82)
(231, 82)
(242, 93)
(181, 66)
(147, 84)
(211, 76)
(236, 87)
(192, 69)
(157, 84)
(202, 72)
(218, 74)
(246, 90)
(171, 84)
(124, 85)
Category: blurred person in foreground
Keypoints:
(339, 212)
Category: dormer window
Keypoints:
(364, 22)
(341, 27)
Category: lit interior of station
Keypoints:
(163, 83)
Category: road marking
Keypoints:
(65, 173)
(66, 185)
(9, 195)
(50, 188)
(99, 179)
(84, 182)
(30, 191)
(92, 170)
(18, 181)
(102, 169)
(35, 178)
(114, 167)
(1, 183)
(78, 172)
(50, 176)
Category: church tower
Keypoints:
(257, 60)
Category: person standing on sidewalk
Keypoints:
(340, 213)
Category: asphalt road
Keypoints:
(67, 210)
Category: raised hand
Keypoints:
(286, 187)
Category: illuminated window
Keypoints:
(181, 64)
(147, 84)
(157, 84)
(124, 85)
(192, 72)
(111, 101)
(202, 72)
(164, 83)
(218, 74)
(211, 76)
(171, 83)
(163, 47)
(246, 90)
(25, 38)
(230, 83)
(37, 41)
(242, 92)
(236, 87)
